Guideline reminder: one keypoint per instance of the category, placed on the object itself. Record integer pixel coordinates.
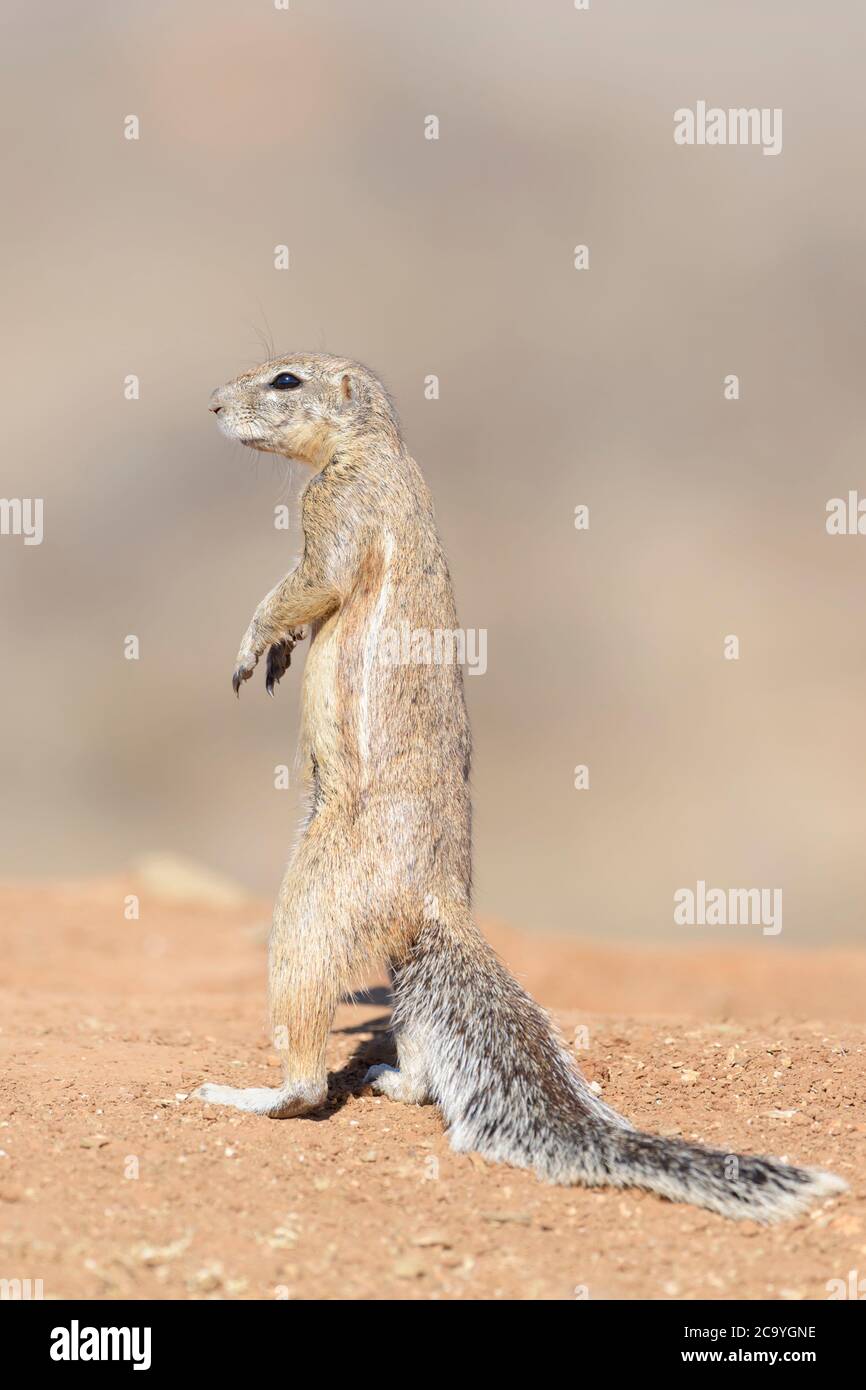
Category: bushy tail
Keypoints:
(737, 1185)
(509, 1091)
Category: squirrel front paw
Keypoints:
(280, 658)
(246, 663)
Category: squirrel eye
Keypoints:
(286, 381)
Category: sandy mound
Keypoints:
(113, 1184)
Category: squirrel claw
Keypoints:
(242, 673)
(280, 658)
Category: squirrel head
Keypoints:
(308, 406)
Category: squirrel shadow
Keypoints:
(347, 1082)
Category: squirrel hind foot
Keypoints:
(279, 1104)
(396, 1085)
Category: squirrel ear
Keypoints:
(352, 391)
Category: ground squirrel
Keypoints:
(382, 870)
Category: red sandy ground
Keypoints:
(107, 1025)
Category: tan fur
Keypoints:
(383, 870)
(389, 828)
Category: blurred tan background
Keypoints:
(452, 257)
